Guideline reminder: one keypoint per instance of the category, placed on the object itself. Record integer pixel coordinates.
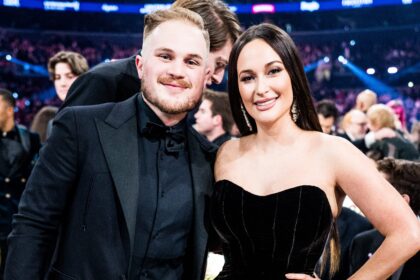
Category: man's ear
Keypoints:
(139, 66)
(207, 77)
(217, 119)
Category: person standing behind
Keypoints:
(404, 176)
(365, 99)
(280, 186)
(120, 189)
(64, 68)
(327, 116)
(214, 119)
(18, 151)
(118, 80)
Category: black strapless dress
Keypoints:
(265, 237)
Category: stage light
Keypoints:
(410, 84)
(27, 103)
(8, 57)
(15, 95)
(392, 70)
(342, 59)
(326, 59)
(107, 60)
(352, 42)
(370, 71)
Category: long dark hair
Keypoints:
(304, 114)
(284, 46)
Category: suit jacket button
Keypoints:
(7, 180)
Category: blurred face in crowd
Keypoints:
(63, 79)
(204, 119)
(6, 114)
(264, 83)
(218, 60)
(327, 124)
(358, 124)
(173, 67)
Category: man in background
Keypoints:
(18, 151)
(214, 119)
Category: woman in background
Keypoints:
(281, 185)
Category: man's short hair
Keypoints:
(8, 97)
(77, 63)
(153, 20)
(404, 176)
(327, 109)
(220, 106)
(221, 23)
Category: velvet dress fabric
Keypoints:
(265, 237)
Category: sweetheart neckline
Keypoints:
(276, 193)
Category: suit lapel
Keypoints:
(202, 178)
(118, 137)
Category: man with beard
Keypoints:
(118, 80)
(119, 191)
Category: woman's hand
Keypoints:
(302, 276)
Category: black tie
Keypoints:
(174, 136)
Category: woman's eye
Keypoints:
(274, 71)
(246, 78)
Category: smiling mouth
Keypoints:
(265, 104)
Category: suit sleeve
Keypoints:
(43, 203)
(89, 89)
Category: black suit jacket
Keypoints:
(77, 215)
(366, 243)
(107, 82)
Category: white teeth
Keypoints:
(265, 102)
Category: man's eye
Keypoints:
(164, 56)
(193, 62)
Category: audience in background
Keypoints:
(365, 100)
(381, 116)
(64, 68)
(404, 176)
(327, 116)
(214, 118)
(41, 120)
(18, 151)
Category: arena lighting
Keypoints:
(278, 6)
(326, 59)
(410, 84)
(27, 66)
(413, 69)
(370, 71)
(352, 43)
(15, 95)
(263, 8)
(392, 70)
(371, 82)
(342, 59)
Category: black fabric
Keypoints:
(265, 237)
(364, 246)
(395, 147)
(113, 81)
(165, 188)
(222, 139)
(349, 224)
(77, 215)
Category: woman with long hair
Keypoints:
(280, 186)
